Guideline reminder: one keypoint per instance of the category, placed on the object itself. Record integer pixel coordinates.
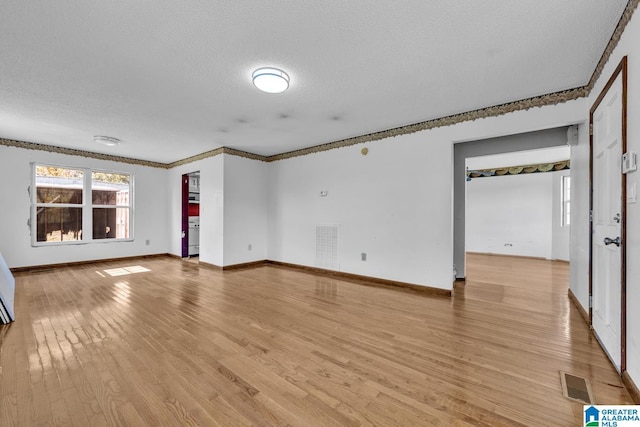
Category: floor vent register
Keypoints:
(576, 388)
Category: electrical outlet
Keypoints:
(147, 242)
(363, 256)
(249, 247)
(508, 244)
(324, 193)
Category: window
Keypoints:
(110, 205)
(566, 201)
(63, 212)
(59, 200)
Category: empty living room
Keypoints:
(310, 214)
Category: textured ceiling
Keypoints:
(172, 79)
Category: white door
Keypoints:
(607, 217)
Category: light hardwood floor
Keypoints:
(185, 345)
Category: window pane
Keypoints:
(103, 197)
(108, 177)
(58, 185)
(58, 224)
(566, 180)
(110, 188)
(110, 223)
(50, 193)
(52, 171)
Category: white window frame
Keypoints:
(115, 207)
(87, 206)
(565, 200)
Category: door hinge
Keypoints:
(591, 215)
(591, 129)
(590, 301)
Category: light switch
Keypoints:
(629, 162)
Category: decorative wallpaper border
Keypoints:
(82, 153)
(216, 152)
(632, 5)
(519, 170)
(100, 156)
(498, 110)
(197, 157)
(494, 111)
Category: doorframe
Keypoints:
(620, 69)
(508, 143)
(185, 216)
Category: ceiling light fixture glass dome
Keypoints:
(270, 80)
(106, 140)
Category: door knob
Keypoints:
(609, 241)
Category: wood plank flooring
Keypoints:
(185, 345)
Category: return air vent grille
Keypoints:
(576, 388)
(327, 246)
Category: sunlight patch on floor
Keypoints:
(123, 271)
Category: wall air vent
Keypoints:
(327, 246)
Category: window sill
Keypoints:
(78, 242)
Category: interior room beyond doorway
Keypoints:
(518, 204)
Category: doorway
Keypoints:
(547, 138)
(191, 215)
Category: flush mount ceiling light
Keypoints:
(106, 140)
(271, 80)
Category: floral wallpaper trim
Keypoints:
(498, 110)
(216, 152)
(632, 5)
(519, 170)
(82, 153)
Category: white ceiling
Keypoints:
(172, 79)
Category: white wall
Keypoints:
(511, 215)
(150, 213)
(211, 208)
(627, 45)
(7, 289)
(245, 210)
(233, 209)
(395, 204)
(579, 240)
